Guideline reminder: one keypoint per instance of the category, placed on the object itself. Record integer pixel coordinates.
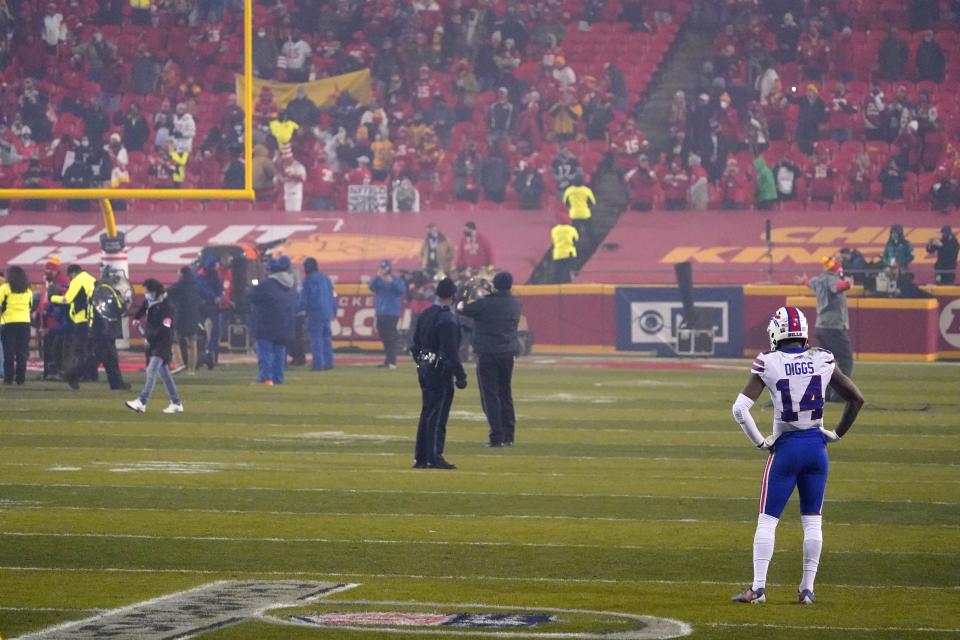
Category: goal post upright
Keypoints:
(246, 193)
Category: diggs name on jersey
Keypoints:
(799, 369)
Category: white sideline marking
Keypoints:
(442, 543)
(413, 576)
(53, 609)
(524, 494)
(802, 627)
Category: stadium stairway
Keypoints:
(679, 72)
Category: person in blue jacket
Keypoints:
(273, 306)
(210, 288)
(319, 301)
(388, 293)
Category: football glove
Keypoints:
(829, 435)
(768, 443)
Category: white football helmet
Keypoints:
(787, 323)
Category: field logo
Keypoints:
(950, 323)
(493, 620)
(398, 619)
(192, 613)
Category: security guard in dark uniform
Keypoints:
(436, 345)
(496, 318)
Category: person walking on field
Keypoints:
(158, 332)
(16, 302)
(388, 293)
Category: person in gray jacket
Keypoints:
(833, 319)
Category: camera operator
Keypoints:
(833, 318)
(496, 318)
(108, 304)
(946, 248)
(388, 293)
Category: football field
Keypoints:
(631, 490)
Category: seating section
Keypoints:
(93, 64)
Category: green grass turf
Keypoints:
(629, 490)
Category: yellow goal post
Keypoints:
(174, 194)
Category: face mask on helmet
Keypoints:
(787, 323)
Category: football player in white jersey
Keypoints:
(796, 376)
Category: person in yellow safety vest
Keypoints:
(78, 297)
(579, 198)
(16, 302)
(283, 129)
(564, 236)
(179, 159)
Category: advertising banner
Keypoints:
(649, 318)
(347, 246)
(729, 247)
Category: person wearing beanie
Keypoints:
(435, 350)
(388, 292)
(833, 320)
(158, 332)
(273, 304)
(946, 248)
(496, 318)
(319, 301)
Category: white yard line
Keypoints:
(254, 467)
(445, 543)
(498, 494)
(452, 578)
(363, 514)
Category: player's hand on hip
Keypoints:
(768, 443)
(829, 435)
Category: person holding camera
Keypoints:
(388, 292)
(496, 318)
(946, 248)
(435, 350)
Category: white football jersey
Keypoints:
(797, 381)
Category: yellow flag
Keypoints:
(323, 92)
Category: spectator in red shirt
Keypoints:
(642, 184)
(736, 188)
(674, 182)
(474, 251)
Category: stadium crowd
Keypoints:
(811, 103)
(468, 97)
(800, 103)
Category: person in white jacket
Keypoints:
(184, 128)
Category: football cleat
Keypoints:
(751, 597)
(806, 597)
